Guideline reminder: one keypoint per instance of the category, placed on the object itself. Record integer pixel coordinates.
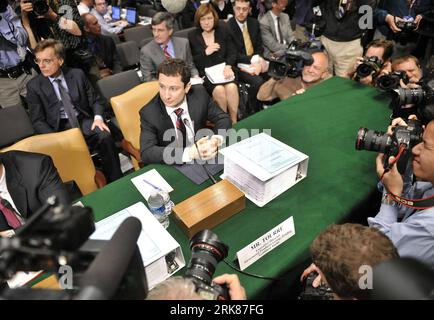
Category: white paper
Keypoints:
(22, 278)
(215, 74)
(196, 80)
(149, 181)
(267, 242)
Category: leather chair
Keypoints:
(15, 125)
(126, 108)
(70, 155)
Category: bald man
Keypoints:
(287, 87)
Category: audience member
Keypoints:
(107, 27)
(15, 71)
(342, 254)
(168, 121)
(223, 9)
(287, 87)
(85, 6)
(27, 180)
(102, 47)
(276, 31)
(163, 47)
(62, 98)
(411, 230)
(187, 14)
(211, 44)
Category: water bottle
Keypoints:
(157, 206)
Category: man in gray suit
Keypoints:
(276, 31)
(164, 47)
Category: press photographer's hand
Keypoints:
(236, 290)
(312, 268)
(392, 179)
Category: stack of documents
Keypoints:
(263, 167)
(215, 74)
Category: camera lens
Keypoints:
(387, 82)
(364, 70)
(372, 140)
(207, 251)
(410, 96)
(40, 7)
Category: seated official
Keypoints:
(163, 47)
(380, 49)
(411, 230)
(108, 27)
(61, 99)
(27, 180)
(341, 255)
(171, 120)
(287, 87)
(102, 47)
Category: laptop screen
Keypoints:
(116, 13)
(131, 15)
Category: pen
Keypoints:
(153, 186)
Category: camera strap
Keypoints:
(419, 204)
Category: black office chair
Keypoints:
(115, 38)
(146, 10)
(15, 125)
(129, 54)
(118, 83)
(137, 34)
(144, 42)
(183, 33)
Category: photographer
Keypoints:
(411, 230)
(15, 71)
(341, 252)
(376, 61)
(178, 288)
(287, 87)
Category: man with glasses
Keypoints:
(62, 98)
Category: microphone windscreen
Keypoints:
(174, 6)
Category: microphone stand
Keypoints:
(187, 125)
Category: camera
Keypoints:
(40, 7)
(406, 25)
(3, 5)
(391, 81)
(369, 65)
(322, 292)
(207, 251)
(297, 56)
(425, 94)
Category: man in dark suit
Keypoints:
(27, 180)
(170, 122)
(246, 36)
(61, 99)
(102, 47)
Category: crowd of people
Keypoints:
(52, 56)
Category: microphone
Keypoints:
(104, 275)
(187, 125)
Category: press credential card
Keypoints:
(150, 180)
(264, 244)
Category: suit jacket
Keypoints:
(44, 106)
(227, 52)
(30, 178)
(238, 40)
(269, 37)
(151, 55)
(155, 121)
(106, 50)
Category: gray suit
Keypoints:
(269, 37)
(151, 55)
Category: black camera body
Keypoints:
(425, 94)
(391, 81)
(406, 25)
(322, 292)
(207, 251)
(40, 7)
(369, 65)
(297, 56)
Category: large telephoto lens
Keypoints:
(410, 96)
(372, 140)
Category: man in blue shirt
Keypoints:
(14, 71)
(411, 230)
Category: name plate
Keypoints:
(264, 244)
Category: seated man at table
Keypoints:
(27, 180)
(287, 87)
(342, 256)
(170, 122)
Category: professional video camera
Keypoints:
(369, 65)
(403, 139)
(57, 235)
(297, 56)
(207, 251)
(391, 81)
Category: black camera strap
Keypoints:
(418, 204)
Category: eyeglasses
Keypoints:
(43, 61)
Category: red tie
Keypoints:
(181, 126)
(9, 213)
(166, 53)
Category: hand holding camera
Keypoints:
(232, 282)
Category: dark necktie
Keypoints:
(67, 105)
(9, 214)
(279, 31)
(166, 53)
(181, 126)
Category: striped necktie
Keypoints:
(9, 214)
(181, 126)
(166, 53)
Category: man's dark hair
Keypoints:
(387, 45)
(160, 17)
(341, 250)
(175, 67)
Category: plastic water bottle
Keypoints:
(157, 205)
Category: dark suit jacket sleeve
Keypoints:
(93, 98)
(219, 118)
(231, 51)
(36, 107)
(200, 58)
(117, 66)
(51, 184)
